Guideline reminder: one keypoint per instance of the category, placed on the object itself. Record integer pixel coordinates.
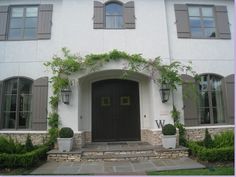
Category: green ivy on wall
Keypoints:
(68, 64)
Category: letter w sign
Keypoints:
(160, 123)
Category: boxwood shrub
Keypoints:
(224, 139)
(211, 154)
(66, 132)
(23, 160)
(169, 129)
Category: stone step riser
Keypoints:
(116, 159)
(133, 156)
(117, 153)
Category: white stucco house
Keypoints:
(102, 106)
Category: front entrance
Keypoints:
(115, 111)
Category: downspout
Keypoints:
(169, 46)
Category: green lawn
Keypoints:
(207, 171)
(18, 171)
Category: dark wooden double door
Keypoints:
(115, 111)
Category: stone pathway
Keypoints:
(115, 168)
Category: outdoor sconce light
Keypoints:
(165, 92)
(65, 94)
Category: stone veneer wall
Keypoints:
(37, 138)
(81, 138)
(198, 134)
(154, 137)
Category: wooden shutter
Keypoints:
(39, 104)
(129, 17)
(1, 104)
(3, 22)
(228, 96)
(98, 19)
(182, 21)
(45, 21)
(189, 91)
(222, 22)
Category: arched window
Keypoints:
(114, 15)
(211, 101)
(17, 96)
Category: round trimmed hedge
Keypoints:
(66, 132)
(169, 129)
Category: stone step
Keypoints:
(117, 152)
(118, 157)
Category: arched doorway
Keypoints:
(115, 110)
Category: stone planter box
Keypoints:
(65, 144)
(169, 141)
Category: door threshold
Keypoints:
(117, 143)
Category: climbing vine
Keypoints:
(63, 66)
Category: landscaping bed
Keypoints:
(218, 149)
(216, 153)
(15, 155)
(211, 154)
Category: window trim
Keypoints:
(104, 14)
(16, 128)
(9, 20)
(214, 15)
(209, 91)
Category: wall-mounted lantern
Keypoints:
(165, 92)
(65, 94)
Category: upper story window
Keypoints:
(211, 100)
(114, 15)
(202, 21)
(28, 22)
(23, 23)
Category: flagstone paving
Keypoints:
(120, 167)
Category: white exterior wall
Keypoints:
(73, 28)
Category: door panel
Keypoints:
(115, 110)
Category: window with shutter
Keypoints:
(23, 103)
(25, 22)
(114, 15)
(202, 21)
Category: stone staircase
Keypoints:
(129, 151)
